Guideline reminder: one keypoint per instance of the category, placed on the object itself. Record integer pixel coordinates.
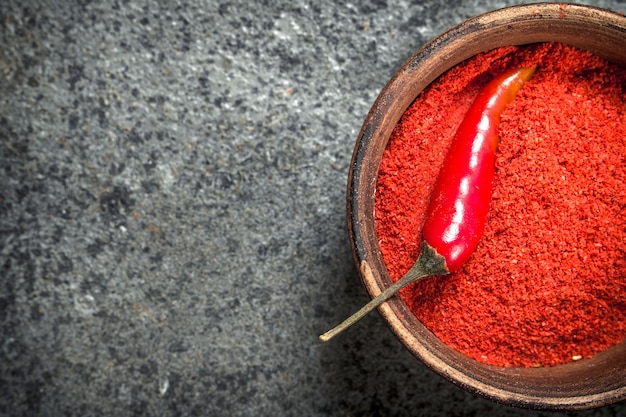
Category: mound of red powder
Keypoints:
(547, 283)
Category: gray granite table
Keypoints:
(172, 209)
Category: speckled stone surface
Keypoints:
(172, 209)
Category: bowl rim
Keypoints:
(504, 385)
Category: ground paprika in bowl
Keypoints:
(430, 313)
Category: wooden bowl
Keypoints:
(588, 383)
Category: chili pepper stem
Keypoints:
(428, 263)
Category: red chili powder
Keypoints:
(547, 283)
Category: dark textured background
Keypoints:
(172, 198)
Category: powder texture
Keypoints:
(547, 283)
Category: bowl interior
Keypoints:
(587, 383)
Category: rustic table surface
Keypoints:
(172, 209)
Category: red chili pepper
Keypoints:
(457, 213)
(459, 204)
